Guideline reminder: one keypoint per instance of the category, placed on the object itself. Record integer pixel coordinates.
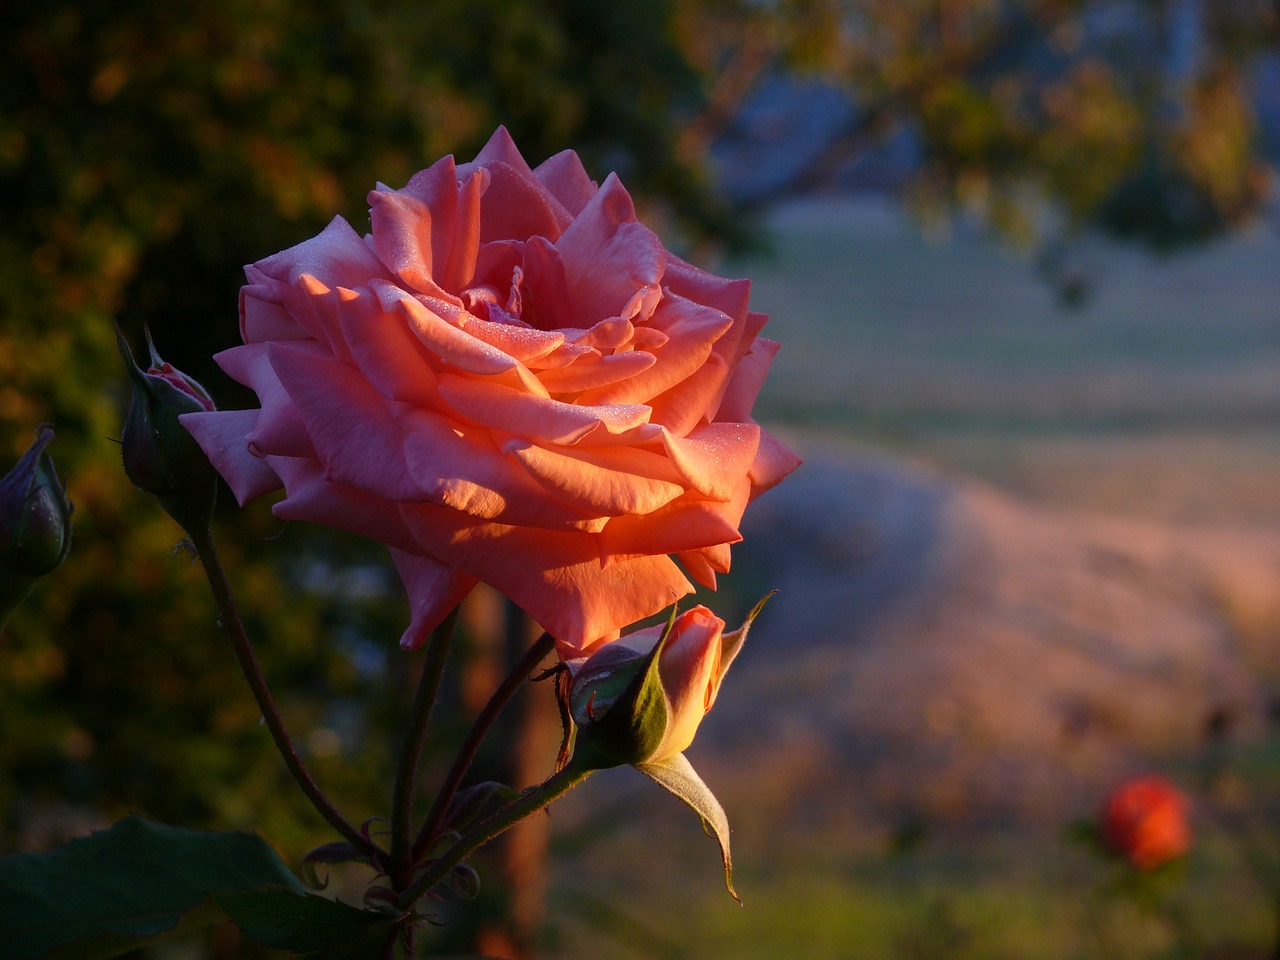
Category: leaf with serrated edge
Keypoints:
(101, 895)
(677, 776)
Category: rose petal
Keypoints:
(356, 437)
(313, 499)
(501, 407)
(450, 345)
(463, 468)
(685, 524)
(385, 350)
(222, 436)
(402, 237)
(279, 429)
(703, 564)
(516, 206)
(692, 330)
(592, 370)
(338, 256)
(568, 181)
(694, 399)
(262, 317)
(434, 589)
(547, 304)
(773, 462)
(693, 283)
(714, 458)
(748, 377)
(557, 578)
(611, 262)
(612, 483)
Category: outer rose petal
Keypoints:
(557, 578)
(434, 590)
(312, 498)
(568, 181)
(356, 437)
(222, 437)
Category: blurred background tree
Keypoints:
(148, 150)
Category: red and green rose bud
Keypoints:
(640, 699)
(160, 456)
(35, 522)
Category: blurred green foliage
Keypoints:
(1036, 117)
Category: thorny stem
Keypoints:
(420, 717)
(467, 753)
(530, 801)
(266, 703)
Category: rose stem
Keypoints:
(530, 801)
(423, 701)
(266, 703)
(467, 753)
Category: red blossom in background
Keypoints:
(1145, 821)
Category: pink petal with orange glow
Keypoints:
(557, 578)
(616, 482)
(568, 181)
(714, 458)
(311, 498)
(356, 437)
(774, 461)
(682, 525)
(748, 377)
(591, 371)
(513, 411)
(433, 588)
(222, 436)
(692, 330)
(462, 468)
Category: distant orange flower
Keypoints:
(1145, 821)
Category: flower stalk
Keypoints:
(471, 745)
(271, 716)
(529, 802)
(420, 718)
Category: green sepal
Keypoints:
(677, 776)
(620, 709)
(731, 643)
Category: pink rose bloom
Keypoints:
(508, 380)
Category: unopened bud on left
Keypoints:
(35, 523)
(160, 456)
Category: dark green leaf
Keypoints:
(308, 924)
(104, 894)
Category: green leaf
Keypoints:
(677, 776)
(104, 894)
(309, 924)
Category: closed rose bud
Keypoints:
(690, 667)
(1144, 820)
(632, 709)
(35, 523)
(160, 456)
